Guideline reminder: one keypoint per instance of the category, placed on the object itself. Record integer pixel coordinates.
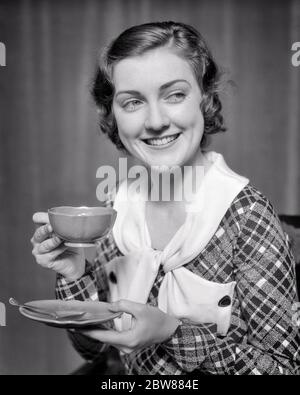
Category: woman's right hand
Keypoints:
(50, 252)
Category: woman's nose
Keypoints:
(156, 119)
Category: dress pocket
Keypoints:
(188, 296)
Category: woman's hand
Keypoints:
(49, 251)
(149, 326)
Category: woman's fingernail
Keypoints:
(49, 228)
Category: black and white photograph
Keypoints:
(149, 190)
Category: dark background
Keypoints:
(50, 148)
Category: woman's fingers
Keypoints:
(50, 252)
(94, 334)
(40, 218)
(110, 337)
(123, 341)
(42, 233)
(48, 245)
(48, 260)
(129, 340)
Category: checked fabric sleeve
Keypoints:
(263, 339)
(91, 286)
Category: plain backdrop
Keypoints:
(50, 147)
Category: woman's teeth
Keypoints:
(161, 141)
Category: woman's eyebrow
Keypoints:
(128, 92)
(170, 83)
(163, 87)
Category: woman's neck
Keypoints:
(177, 184)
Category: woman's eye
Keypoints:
(131, 105)
(176, 97)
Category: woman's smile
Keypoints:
(161, 142)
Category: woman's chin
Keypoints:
(168, 159)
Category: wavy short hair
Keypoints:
(182, 39)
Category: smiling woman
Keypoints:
(160, 120)
(205, 286)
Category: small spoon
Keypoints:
(56, 315)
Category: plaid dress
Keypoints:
(249, 247)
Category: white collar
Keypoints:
(219, 187)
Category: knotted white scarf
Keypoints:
(182, 293)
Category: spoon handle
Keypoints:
(38, 310)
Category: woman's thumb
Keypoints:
(126, 306)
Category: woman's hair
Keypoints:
(182, 39)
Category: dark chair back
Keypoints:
(291, 225)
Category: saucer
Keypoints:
(96, 313)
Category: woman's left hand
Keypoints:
(149, 326)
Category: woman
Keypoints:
(206, 285)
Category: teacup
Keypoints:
(81, 226)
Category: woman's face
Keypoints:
(157, 108)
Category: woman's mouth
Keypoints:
(161, 141)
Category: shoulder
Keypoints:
(250, 199)
(251, 205)
(254, 202)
